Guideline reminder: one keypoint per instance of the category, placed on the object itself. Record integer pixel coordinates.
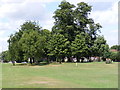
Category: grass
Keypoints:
(66, 75)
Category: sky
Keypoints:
(14, 13)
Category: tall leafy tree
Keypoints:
(46, 34)
(57, 46)
(15, 49)
(32, 44)
(64, 20)
(100, 46)
(79, 46)
(71, 21)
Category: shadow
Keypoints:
(42, 64)
(21, 64)
(28, 64)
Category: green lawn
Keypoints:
(66, 75)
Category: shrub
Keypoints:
(108, 61)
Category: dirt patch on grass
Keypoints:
(45, 66)
(54, 65)
(43, 81)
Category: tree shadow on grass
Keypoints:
(28, 64)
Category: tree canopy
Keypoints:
(74, 34)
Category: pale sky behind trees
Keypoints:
(14, 13)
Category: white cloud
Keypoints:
(1, 33)
(87, 1)
(14, 12)
(3, 43)
(107, 17)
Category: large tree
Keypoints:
(57, 46)
(71, 21)
(32, 44)
(16, 50)
(64, 20)
(79, 46)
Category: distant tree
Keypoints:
(5, 56)
(115, 56)
(117, 47)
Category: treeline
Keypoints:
(73, 34)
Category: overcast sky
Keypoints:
(14, 12)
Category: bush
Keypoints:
(108, 61)
(115, 56)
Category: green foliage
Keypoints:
(57, 46)
(5, 56)
(21, 41)
(32, 43)
(73, 22)
(64, 20)
(117, 47)
(46, 34)
(100, 48)
(79, 46)
(115, 56)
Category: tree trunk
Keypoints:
(31, 61)
(13, 62)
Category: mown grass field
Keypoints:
(66, 75)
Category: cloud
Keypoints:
(24, 11)
(3, 43)
(14, 12)
(106, 17)
(77, 1)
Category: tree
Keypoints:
(57, 46)
(32, 44)
(79, 46)
(16, 51)
(71, 21)
(100, 47)
(64, 20)
(46, 34)
(115, 56)
(86, 25)
(5, 56)
(14, 47)
(116, 47)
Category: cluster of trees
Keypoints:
(115, 55)
(73, 34)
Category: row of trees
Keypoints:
(116, 54)
(73, 34)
